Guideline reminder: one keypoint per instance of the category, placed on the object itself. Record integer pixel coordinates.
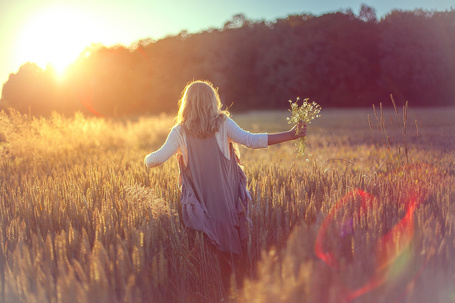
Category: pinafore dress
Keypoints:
(214, 196)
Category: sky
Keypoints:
(55, 32)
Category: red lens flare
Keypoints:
(389, 246)
(87, 101)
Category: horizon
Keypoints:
(110, 25)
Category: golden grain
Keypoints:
(83, 220)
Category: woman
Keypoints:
(213, 186)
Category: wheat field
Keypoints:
(366, 215)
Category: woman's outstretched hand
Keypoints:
(298, 131)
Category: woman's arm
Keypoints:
(169, 148)
(288, 135)
(251, 140)
(238, 135)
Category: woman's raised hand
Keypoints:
(299, 130)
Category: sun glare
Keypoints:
(55, 37)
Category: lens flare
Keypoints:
(87, 101)
(392, 250)
(328, 257)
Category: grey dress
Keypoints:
(213, 194)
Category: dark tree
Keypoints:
(337, 59)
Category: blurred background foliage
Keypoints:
(337, 59)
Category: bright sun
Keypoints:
(56, 37)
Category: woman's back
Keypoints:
(218, 185)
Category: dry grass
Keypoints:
(82, 220)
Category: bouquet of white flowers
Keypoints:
(304, 113)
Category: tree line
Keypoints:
(337, 59)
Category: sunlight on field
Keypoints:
(355, 220)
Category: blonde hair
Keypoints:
(200, 109)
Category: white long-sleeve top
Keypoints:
(229, 132)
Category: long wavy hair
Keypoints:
(200, 109)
